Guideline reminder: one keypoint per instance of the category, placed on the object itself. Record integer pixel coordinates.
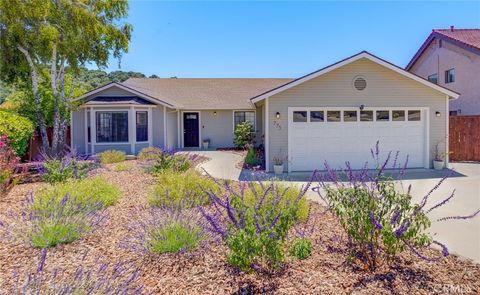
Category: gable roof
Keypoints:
(468, 39)
(205, 93)
(128, 89)
(115, 100)
(363, 54)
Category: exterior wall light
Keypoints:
(437, 114)
(214, 113)
(277, 115)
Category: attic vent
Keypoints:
(360, 83)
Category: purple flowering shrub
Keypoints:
(254, 223)
(69, 166)
(103, 278)
(380, 221)
(165, 230)
(45, 223)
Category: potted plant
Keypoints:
(205, 143)
(439, 160)
(277, 165)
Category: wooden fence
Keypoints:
(35, 145)
(464, 138)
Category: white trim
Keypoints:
(86, 130)
(93, 130)
(178, 129)
(425, 118)
(254, 123)
(126, 88)
(117, 105)
(165, 146)
(132, 129)
(150, 127)
(199, 128)
(267, 136)
(71, 130)
(348, 61)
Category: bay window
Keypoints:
(112, 126)
(142, 126)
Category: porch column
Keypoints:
(131, 130)
(93, 130)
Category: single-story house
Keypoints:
(335, 114)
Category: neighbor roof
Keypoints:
(466, 38)
(205, 93)
(363, 54)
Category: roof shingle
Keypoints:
(206, 93)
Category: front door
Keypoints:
(191, 130)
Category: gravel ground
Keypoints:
(205, 271)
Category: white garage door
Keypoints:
(337, 135)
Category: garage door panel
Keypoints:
(313, 143)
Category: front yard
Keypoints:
(115, 251)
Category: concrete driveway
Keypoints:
(461, 236)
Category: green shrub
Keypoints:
(301, 248)
(253, 224)
(120, 167)
(251, 158)
(55, 232)
(177, 189)
(61, 170)
(149, 153)
(243, 134)
(169, 161)
(111, 156)
(289, 195)
(50, 222)
(18, 129)
(174, 237)
(93, 190)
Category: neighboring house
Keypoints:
(451, 58)
(335, 114)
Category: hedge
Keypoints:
(18, 129)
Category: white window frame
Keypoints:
(254, 121)
(148, 126)
(131, 110)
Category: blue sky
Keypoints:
(279, 39)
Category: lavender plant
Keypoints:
(380, 221)
(165, 230)
(255, 231)
(103, 278)
(45, 224)
(69, 166)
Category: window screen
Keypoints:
(142, 126)
(244, 116)
(112, 126)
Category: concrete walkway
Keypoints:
(461, 236)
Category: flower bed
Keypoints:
(206, 270)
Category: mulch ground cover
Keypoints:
(205, 271)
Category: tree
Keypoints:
(61, 36)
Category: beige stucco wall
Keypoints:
(467, 73)
(385, 88)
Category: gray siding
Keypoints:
(78, 131)
(172, 129)
(219, 128)
(385, 88)
(157, 124)
(119, 147)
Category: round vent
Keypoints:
(360, 83)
